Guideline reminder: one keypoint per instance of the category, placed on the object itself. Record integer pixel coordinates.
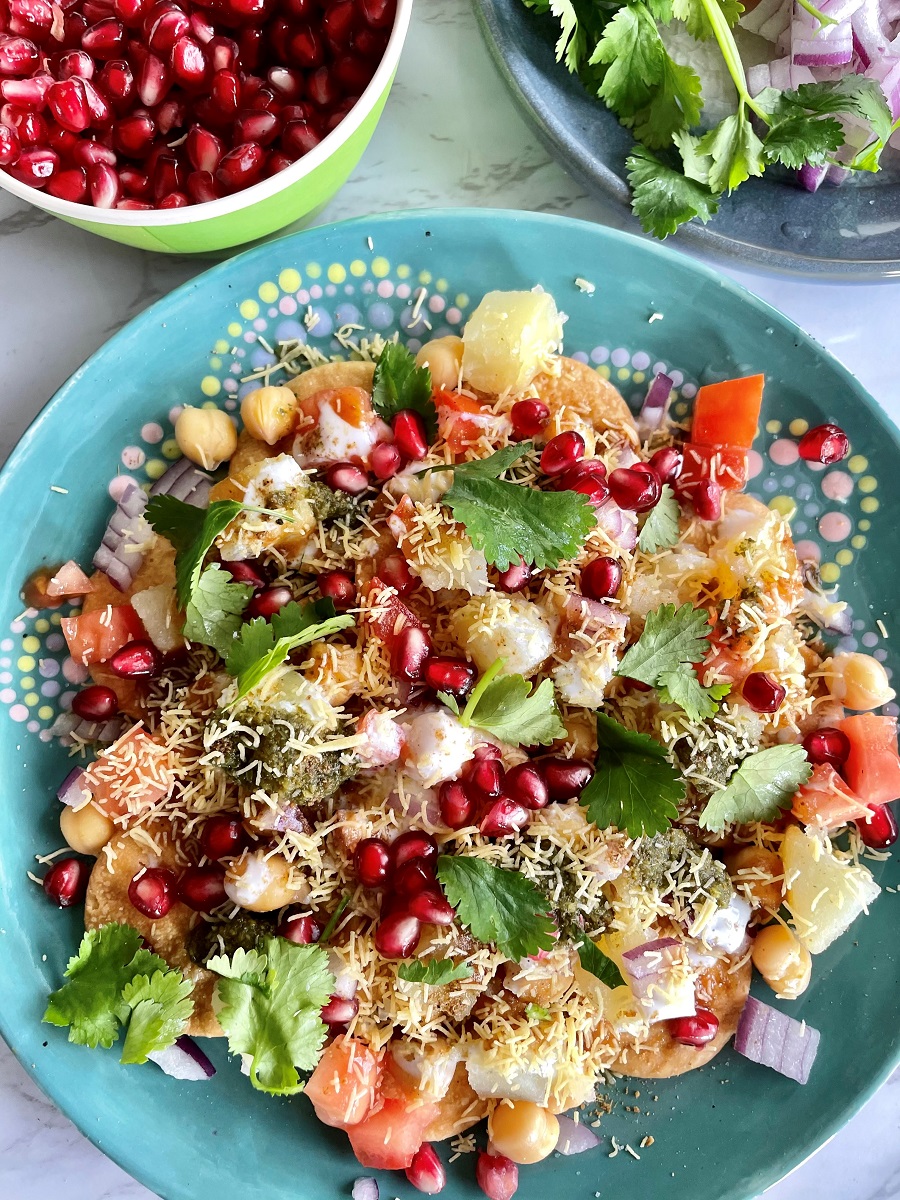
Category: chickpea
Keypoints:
(444, 357)
(759, 874)
(857, 681)
(268, 413)
(206, 436)
(86, 829)
(523, 1131)
(782, 960)
(260, 884)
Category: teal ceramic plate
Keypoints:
(723, 1133)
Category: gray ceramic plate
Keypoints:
(852, 231)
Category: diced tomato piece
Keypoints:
(454, 427)
(94, 637)
(727, 413)
(132, 774)
(343, 1087)
(873, 767)
(727, 465)
(826, 801)
(69, 580)
(386, 614)
(388, 1138)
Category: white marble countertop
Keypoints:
(63, 292)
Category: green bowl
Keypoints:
(722, 1133)
(297, 193)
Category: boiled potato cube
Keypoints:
(824, 893)
(507, 627)
(509, 338)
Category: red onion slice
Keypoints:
(656, 403)
(72, 791)
(185, 482)
(575, 1138)
(365, 1188)
(649, 958)
(768, 1037)
(118, 555)
(183, 1060)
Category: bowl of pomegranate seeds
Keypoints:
(186, 127)
(471, 725)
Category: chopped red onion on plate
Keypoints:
(365, 1188)
(769, 1037)
(575, 1138)
(183, 1060)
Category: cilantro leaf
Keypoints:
(161, 1007)
(735, 150)
(660, 528)
(497, 905)
(399, 384)
(213, 613)
(191, 531)
(799, 140)
(91, 1003)
(594, 961)
(634, 787)
(676, 103)
(536, 1012)
(669, 639)
(762, 785)
(509, 709)
(491, 467)
(662, 197)
(270, 1010)
(434, 971)
(682, 687)
(263, 645)
(634, 53)
(508, 520)
(696, 17)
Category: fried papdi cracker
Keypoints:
(107, 900)
(332, 375)
(583, 392)
(459, 1109)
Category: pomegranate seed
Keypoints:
(528, 418)
(504, 816)
(69, 185)
(18, 56)
(33, 18)
(384, 458)
(880, 830)
(395, 572)
(827, 745)
(202, 187)
(456, 804)
(10, 146)
(239, 168)
(339, 1011)
(269, 601)
(26, 93)
(486, 775)
(601, 578)
(586, 477)
(250, 12)
(188, 62)
(130, 12)
(667, 463)
(201, 28)
(171, 114)
(101, 113)
(426, 1171)
(339, 588)
(763, 693)
(165, 28)
(66, 881)
(76, 62)
(139, 658)
(223, 53)
(432, 908)
(299, 138)
(337, 24)
(497, 1176)
(134, 135)
(134, 182)
(30, 127)
(135, 205)
(202, 888)
(305, 49)
(525, 784)
(257, 125)
(346, 477)
(286, 82)
(635, 488)
(153, 892)
(104, 40)
(706, 497)
(413, 844)
(397, 935)
(167, 175)
(409, 433)
(95, 703)
(351, 73)
(277, 161)
(250, 45)
(562, 452)
(242, 571)
(90, 153)
(303, 929)
(486, 750)
(450, 675)
(412, 877)
(825, 444)
(411, 652)
(116, 82)
(697, 1030)
(565, 778)
(204, 149)
(223, 837)
(372, 859)
(370, 44)
(378, 13)
(35, 166)
(515, 577)
(153, 81)
(65, 143)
